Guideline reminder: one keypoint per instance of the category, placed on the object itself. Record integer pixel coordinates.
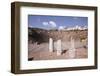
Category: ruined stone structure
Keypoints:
(57, 44)
(66, 35)
(44, 35)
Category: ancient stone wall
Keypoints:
(66, 35)
(44, 35)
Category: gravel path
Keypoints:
(41, 52)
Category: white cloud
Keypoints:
(45, 23)
(30, 26)
(61, 27)
(49, 24)
(52, 24)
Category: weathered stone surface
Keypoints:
(39, 41)
(41, 35)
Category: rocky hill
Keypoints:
(41, 35)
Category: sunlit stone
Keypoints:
(58, 47)
(50, 45)
(72, 49)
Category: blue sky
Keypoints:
(52, 22)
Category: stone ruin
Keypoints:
(59, 50)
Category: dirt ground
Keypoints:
(41, 52)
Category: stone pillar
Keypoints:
(50, 45)
(58, 47)
(72, 49)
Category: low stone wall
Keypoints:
(66, 35)
(44, 35)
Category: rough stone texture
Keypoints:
(44, 35)
(38, 49)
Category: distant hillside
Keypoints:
(40, 35)
(37, 35)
